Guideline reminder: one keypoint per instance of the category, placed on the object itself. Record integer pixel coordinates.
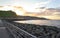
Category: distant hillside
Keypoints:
(34, 18)
(7, 14)
(20, 18)
(12, 15)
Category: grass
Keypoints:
(7, 13)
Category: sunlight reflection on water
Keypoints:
(42, 22)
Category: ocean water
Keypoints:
(42, 22)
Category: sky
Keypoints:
(31, 5)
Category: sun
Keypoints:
(19, 12)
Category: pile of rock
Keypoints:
(41, 31)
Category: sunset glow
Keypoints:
(37, 8)
(18, 11)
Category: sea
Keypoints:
(42, 22)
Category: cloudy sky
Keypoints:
(31, 4)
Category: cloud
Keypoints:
(40, 5)
(44, 4)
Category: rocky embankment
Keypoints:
(41, 31)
